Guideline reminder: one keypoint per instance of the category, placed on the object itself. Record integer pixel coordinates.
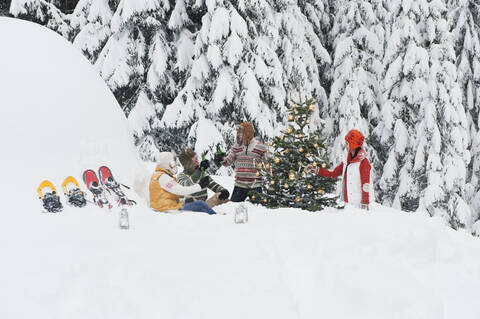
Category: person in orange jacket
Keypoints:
(356, 171)
(165, 192)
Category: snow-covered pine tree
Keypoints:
(91, 22)
(144, 120)
(138, 54)
(43, 12)
(224, 84)
(442, 154)
(462, 22)
(306, 63)
(183, 29)
(404, 88)
(236, 73)
(354, 97)
(475, 202)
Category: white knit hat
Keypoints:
(167, 161)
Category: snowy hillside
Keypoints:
(283, 263)
(57, 117)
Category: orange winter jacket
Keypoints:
(160, 199)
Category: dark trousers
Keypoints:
(198, 206)
(239, 194)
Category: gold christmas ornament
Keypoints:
(308, 155)
(257, 174)
(309, 186)
(270, 143)
(291, 176)
(259, 165)
(298, 199)
(324, 165)
(276, 160)
(320, 191)
(287, 151)
(265, 200)
(314, 164)
(291, 118)
(311, 107)
(289, 130)
(267, 166)
(294, 106)
(272, 182)
(316, 138)
(286, 185)
(253, 197)
(308, 122)
(301, 150)
(300, 135)
(315, 145)
(281, 137)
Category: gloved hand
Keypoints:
(218, 158)
(224, 194)
(310, 169)
(203, 182)
(364, 206)
(205, 164)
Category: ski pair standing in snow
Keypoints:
(165, 192)
(245, 155)
(108, 183)
(356, 171)
(192, 172)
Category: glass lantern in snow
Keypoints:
(241, 214)
(124, 223)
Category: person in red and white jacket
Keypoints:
(357, 178)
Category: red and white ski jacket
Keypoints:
(357, 178)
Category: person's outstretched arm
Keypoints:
(171, 186)
(230, 157)
(331, 174)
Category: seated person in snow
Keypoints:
(356, 172)
(192, 172)
(165, 192)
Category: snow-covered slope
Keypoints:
(282, 264)
(57, 116)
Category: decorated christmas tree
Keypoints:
(287, 183)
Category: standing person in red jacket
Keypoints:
(357, 179)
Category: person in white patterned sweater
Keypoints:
(245, 155)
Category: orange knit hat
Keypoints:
(355, 139)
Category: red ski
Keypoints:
(107, 180)
(91, 180)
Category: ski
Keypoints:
(90, 179)
(49, 198)
(71, 189)
(112, 186)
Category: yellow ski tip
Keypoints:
(45, 184)
(69, 180)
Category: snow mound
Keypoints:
(57, 117)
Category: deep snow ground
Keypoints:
(284, 263)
